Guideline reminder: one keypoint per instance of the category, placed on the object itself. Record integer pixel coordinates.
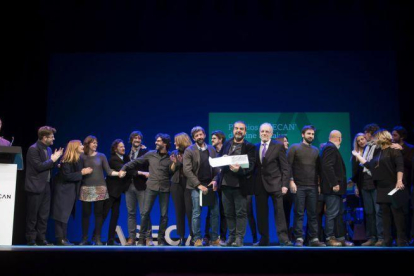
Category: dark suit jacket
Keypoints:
(38, 167)
(274, 172)
(246, 179)
(66, 191)
(116, 186)
(408, 154)
(191, 165)
(140, 181)
(333, 170)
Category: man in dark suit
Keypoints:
(135, 194)
(272, 179)
(333, 187)
(39, 164)
(116, 186)
(236, 184)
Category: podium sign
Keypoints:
(8, 175)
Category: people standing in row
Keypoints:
(39, 164)
(66, 190)
(180, 194)
(271, 180)
(304, 184)
(93, 190)
(161, 167)
(201, 178)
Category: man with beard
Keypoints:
(135, 194)
(200, 176)
(236, 183)
(272, 178)
(333, 186)
(39, 164)
(304, 162)
(399, 135)
(161, 166)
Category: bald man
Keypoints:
(333, 186)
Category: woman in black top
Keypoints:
(387, 167)
(67, 189)
(180, 194)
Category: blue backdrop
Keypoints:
(111, 94)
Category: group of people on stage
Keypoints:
(302, 175)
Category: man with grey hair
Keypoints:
(333, 186)
(272, 180)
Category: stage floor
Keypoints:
(174, 260)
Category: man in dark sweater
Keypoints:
(161, 166)
(200, 177)
(304, 161)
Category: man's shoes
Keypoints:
(130, 242)
(379, 243)
(43, 243)
(141, 242)
(299, 243)
(238, 242)
(222, 242)
(84, 241)
(161, 242)
(63, 242)
(112, 242)
(31, 243)
(229, 242)
(317, 243)
(333, 242)
(215, 243)
(346, 243)
(370, 242)
(206, 241)
(286, 243)
(149, 242)
(198, 242)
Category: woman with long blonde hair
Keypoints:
(67, 189)
(180, 194)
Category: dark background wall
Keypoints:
(34, 30)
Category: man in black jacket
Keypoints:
(116, 187)
(272, 179)
(135, 194)
(236, 183)
(333, 186)
(39, 164)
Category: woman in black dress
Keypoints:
(67, 189)
(387, 167)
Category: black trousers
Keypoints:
(223, 221)
(389, 213)
(61, 230)
(287, 207)
(183, 207)
(263, 216)
(38, 209)
(111, 204)
(86, 214)
(235, 209)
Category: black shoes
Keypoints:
(43, 243)
(31, 243)
(63, 242)
(112, 242)
(84, 241)
(238, 242)
(286, 243)
(229, 242)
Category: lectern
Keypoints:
(11, 160)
